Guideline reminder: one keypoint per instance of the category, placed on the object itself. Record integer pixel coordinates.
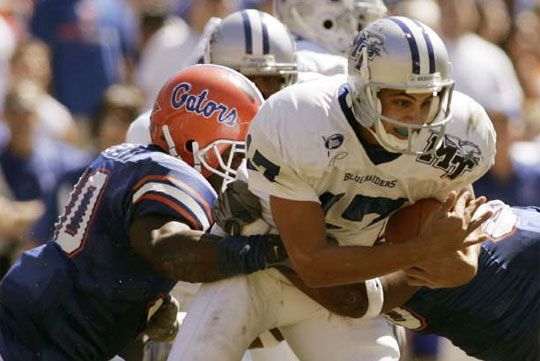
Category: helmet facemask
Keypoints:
(381, 59)
(222, 158)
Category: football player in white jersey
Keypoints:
(325, 28)
(332, 159)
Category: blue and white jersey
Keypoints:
(496, 316)
(305, 145)
(86, 294)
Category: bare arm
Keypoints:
(435, 273)
(174, 250)
(303, 231)
(178, 252)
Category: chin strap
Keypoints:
(169, 140)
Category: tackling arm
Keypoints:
(178, 252)
(174, 250)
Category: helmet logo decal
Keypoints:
(372, 42)
(200, 104)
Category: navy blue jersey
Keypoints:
(496, 316)
(86, 294)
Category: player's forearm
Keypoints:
(340, 265)
(396, 290)
(185, 257)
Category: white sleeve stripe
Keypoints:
(179, 195)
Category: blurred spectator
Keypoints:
(29, 164)
(119, 106)
(7, 46)
(523, 46)
(178, 43)
(262, 5)
(18, 14)
(16, 217)
(427, 11)
(495, 21)
(480, 69)
(32, 61)
(483, 71)
(90, 40)
(510, 180)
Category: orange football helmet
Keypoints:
(202, 112)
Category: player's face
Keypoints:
(268, 85)
(411, 108)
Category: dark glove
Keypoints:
(248, 254)
(236, 207)
(163, 325)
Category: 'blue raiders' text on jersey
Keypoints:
(305, 145)
(86, 294)
(496, 316)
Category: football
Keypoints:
(405, 223)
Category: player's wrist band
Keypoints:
(375, 296)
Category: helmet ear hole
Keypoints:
(328, 24)
(189, 146)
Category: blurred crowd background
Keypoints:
(75, 73)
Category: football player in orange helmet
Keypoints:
(115, 254)
(202, 116)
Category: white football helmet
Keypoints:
(329, 23)
(400, 53)
(254, 43)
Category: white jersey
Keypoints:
(312, 58)
(139, 129)
(302, 146)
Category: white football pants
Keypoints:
(226, 316)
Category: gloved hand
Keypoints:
(236, 208)
(164, 323)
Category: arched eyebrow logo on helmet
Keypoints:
(372, 42)
(200, 104)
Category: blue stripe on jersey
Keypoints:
(247, 32)
(266, 39)
(431, 54)
(412, 44)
